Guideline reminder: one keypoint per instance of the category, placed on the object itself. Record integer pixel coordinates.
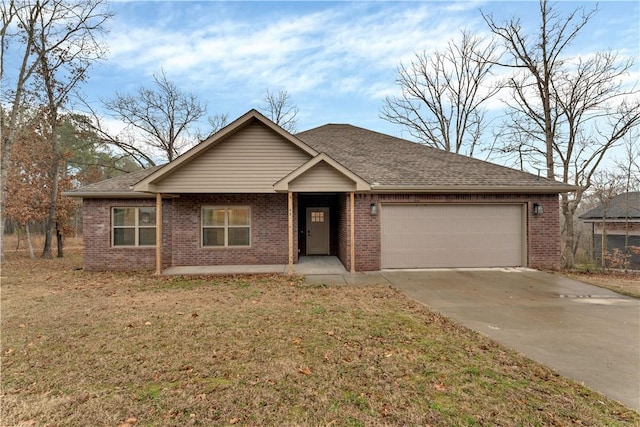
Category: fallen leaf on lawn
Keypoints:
(194, 315)
(129, 422)
(233, 420)
(147, 323)
(297, 341)
(440, 387)
(305, 370)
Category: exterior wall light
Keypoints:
(374, 209)
(537, 209)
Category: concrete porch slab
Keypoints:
(319, 265)
(213, 270)
(325, 265)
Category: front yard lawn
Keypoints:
(624, 283)
(123, 349)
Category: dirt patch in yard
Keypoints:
(127, 349)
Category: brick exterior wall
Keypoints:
(99, 254)
(181, 233)
(543, 242)
(269, 230)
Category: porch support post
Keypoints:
(290, 228)
(158, 233)
(352, 230)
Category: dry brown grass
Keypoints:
(124, 349)
(623, 283)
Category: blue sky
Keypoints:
(337, 60)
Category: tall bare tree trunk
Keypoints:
(59, 242)
(568, 211)
(50, 223)
(32, 255)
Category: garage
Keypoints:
(452, 235)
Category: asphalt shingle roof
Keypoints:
(387, 160)
(120, 184)
(381, 160)
(625, 205)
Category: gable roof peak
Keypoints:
(147, 184)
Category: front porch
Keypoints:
(317, 270)
(314, 224)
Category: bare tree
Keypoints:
(629, 165)
(13, 37)
(216, 122)
(605, 186)
(124, 142)
(162, 115)
(568, 112)
(443, 94)
(57, 41)
(542, 58)
(280, 109)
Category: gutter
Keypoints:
(108, 195)
(564, 188)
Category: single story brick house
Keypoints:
(620, 219)
(253, 194)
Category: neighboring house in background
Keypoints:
(620, 219)
(254, 194)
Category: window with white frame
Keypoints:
(226, 226)
(134, 226)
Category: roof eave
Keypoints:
(631, 219)
(109, 195)
(472, 189)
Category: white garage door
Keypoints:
(446, 235)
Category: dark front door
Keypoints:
(318, 235)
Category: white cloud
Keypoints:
(299, 51)
(337, 60)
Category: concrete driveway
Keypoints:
(586, 333)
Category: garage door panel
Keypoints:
(424, 236)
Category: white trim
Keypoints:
(455, 189)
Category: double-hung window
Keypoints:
(226, 226)
(134, 226)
